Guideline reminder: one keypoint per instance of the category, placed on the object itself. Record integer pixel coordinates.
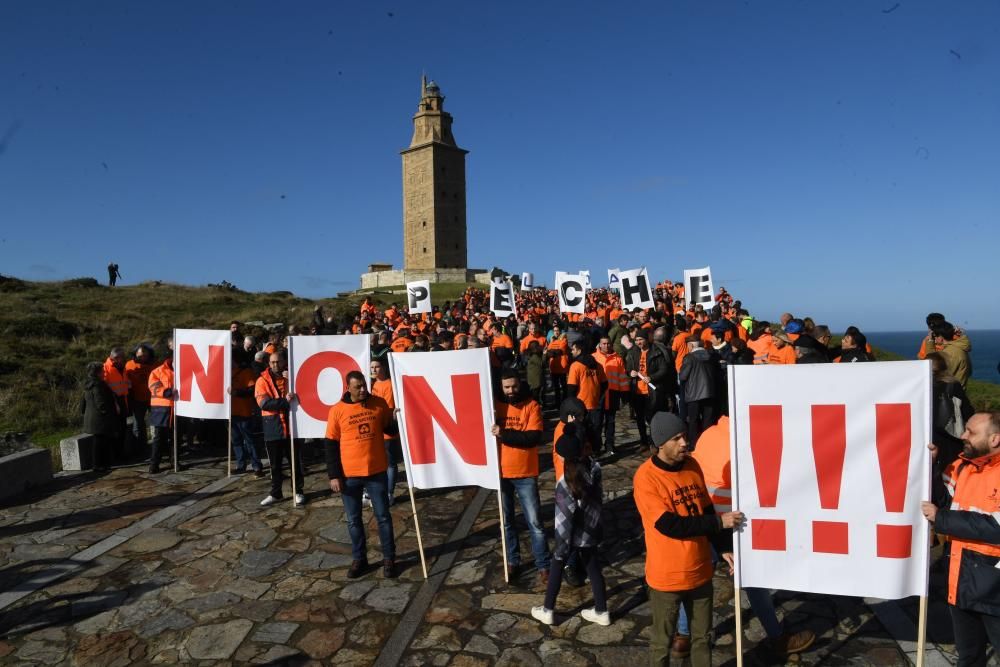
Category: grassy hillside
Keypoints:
(49, 331)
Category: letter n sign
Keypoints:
(211, 382)
(465, 431)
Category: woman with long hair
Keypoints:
(579, 499)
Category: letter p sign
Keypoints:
(418, 294)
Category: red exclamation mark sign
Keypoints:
(892, 440)
(829, 443)
(765, 447)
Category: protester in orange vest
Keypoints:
(382, 387)
(137, 370)
(114, 377)
(519, 429)
(274, 399)
(712, 455)
(586, 380)
(967, 511)
(242, 407)
(618, 387)
(557, 353)
(161, 411)
(356, 463)
(679, 521)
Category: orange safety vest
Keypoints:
(712, 454)
(265, 388)
(161, 378)
(115, 379)
(973, 487)
(614, 369)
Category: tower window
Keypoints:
(425, 250)
(424, 223)
(456, 246)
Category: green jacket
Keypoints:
(956, 356)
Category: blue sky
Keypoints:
(838, 159)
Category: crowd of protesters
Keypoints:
(665, 366)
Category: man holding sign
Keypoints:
(968, 514)
(356, 462)
(273, 399)
(681, 527)
(519, 427)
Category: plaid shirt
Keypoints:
(578, 522)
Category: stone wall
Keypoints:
(396, 278)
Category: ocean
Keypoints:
(985, 348)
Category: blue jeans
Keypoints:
(140, 432)
(526, 489)
(376, 486)
(760, 603)
(392, 448)
(243, 447)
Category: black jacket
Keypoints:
(100, 409)
(698, 375)
(660, 369)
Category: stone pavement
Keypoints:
(188, 568)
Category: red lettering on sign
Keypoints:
(307, 380)
(893, 541)
(829, 537)
(892, 441)
(766, 442)
(829, 445)
(765, 447)
(211, 381)
(767, 534)
(467, 433)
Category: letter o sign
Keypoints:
(307, 380)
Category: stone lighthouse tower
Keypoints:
(434, 225)
(434, 234)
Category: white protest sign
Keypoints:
(613, 280)
(586, 277)
(698, 287)
(830, 465)
(635, 289)
(502, 299)
(572, 291)
(202, 373)
(418, 296)
(318, 368)
(527, 281)
(446, 411)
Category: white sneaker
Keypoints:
(270, 500)
(598, 617)
(300, 500)
(546, 616)
(366, 501)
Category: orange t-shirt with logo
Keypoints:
(589, 381)
(517, 462)
(360, 428)
(673, 564)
